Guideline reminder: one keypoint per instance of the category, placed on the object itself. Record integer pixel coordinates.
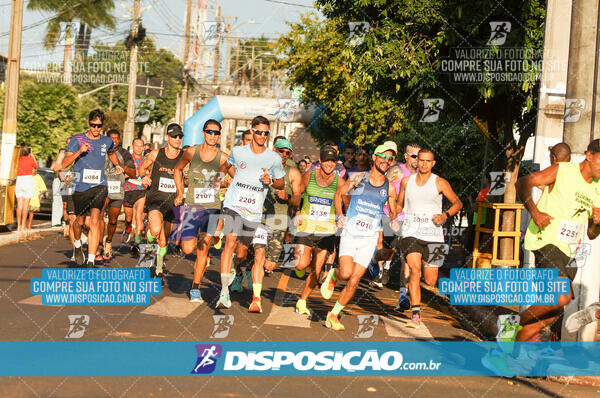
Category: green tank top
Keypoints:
(274, 206)
(318, 209)
(201, 178)
(570, 205)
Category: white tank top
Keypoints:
(420, 205)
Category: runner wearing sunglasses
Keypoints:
(161, 191)
(202, 207)
(365, 194)
(256, 168)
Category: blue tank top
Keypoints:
(366, 208)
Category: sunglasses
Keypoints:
(284, 152)
(261, 132)
(177, 137)
(99, 125)
(414, 156)
(212, 132)
(384, 156)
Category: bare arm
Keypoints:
(296, 183)
(401, 195)
(392, 201)
(178, 173)
(339, 196)
(130, 171)
(525, 184)
(56, 165)
(445, 189)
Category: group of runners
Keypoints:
(362, 211)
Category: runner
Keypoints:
(316, 222)
(161, 192)
(254, 165)
(87, 152)
(66, 191)
(246, 138)
(116, 189)
(202, 202)
(135, 198)
(557, 222)
(368, 193)
(421, 199)
(276, 206)
(349, 151)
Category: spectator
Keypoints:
(24, 189)
(57, 202)
(302, 166)
(39, 190)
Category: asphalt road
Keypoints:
(171, 317)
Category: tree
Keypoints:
(376, 88)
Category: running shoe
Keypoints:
(579, 319)
(403, 300)
(236, 285)
(255, 305)
(384, 276)
(300, 273)
(135, 249)
(249, 278)
(333, 322)
(328, 285)
(301, 308)
(126, 235)
(415, 321)
(218, 242)
(195, 296)
(79, 256)
(73, 256)
(91, 264)
(224, 301)
(107, 252)
(497, 364)
(99, 257)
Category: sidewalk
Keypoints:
(13, 237)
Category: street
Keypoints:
(171, 317)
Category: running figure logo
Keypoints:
(358, 30)
(579, 211)
(579, 254)
(437, 254)
(500, 30)
(573, 109)
(366, 326)
(432, 109)
(289, 255)
(207, 358)
(77, 325)
(498, 182)
(223, 324)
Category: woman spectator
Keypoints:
(25, 187)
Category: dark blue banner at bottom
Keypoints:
(299, 359)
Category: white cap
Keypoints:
(392, 145)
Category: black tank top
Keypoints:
(162, 188)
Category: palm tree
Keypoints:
(89, 13)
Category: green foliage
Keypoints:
(48, 114)
(375, 90)
(241, 60)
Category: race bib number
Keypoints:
(247, 200)
(114, 186)
(166, 185)
(568, 231)
(135, 181)
(318, 212)
(91, 176)
(364, 223)
(204, 195)
(260, 236)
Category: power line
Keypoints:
(289, 4)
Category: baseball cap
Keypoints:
(328, 153)
(174, 129)
(283, 143)
(382, 148)
(391, 145)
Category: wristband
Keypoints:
(447, 214)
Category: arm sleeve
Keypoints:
(111, 147)
(73, 145)
(231, 158)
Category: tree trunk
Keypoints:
(67, 67)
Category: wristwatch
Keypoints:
(447, 215)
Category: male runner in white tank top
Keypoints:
(420, 198)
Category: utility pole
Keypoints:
(183, 98)
(130, 123)
(110, 98)
(252, 69)
(67, 65)
(228, 53)
(217, 54)
(9, 124)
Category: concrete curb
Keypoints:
(24, 236)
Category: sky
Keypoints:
(163, 20)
